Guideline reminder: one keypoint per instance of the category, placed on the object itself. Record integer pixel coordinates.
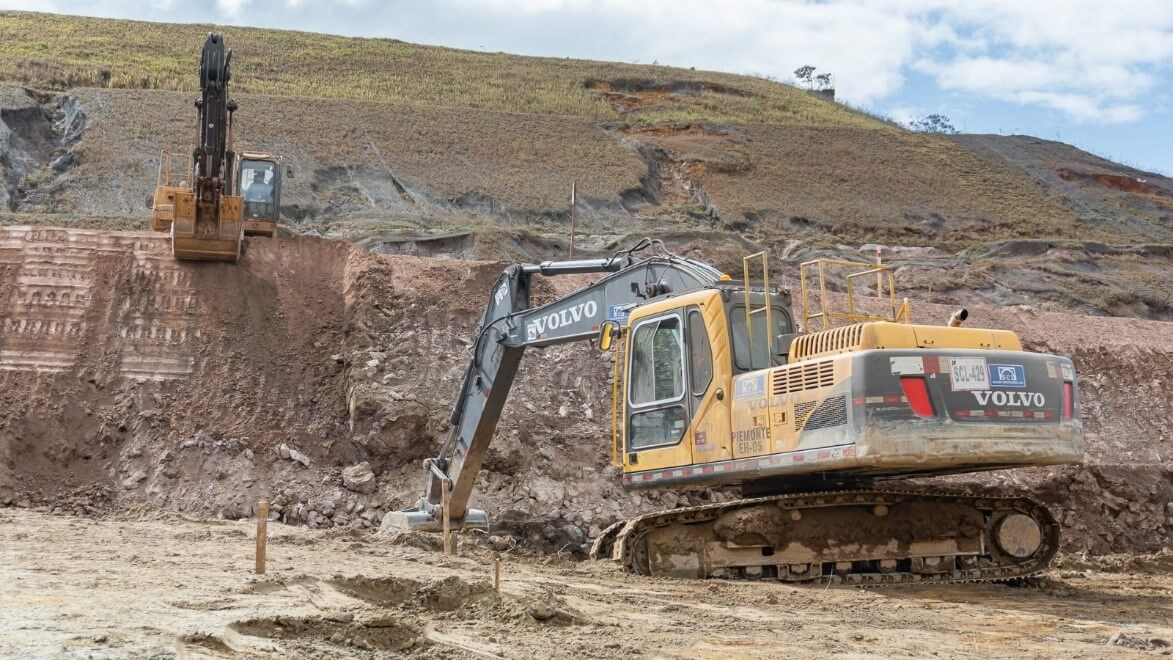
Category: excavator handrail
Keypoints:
(827, 316)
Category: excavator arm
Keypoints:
(508, 326)
(213, 156)
(203, 212)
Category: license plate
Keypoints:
(969, 374)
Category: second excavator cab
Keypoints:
(259, 185)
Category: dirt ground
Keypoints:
(162, 586)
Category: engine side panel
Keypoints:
(851, 415)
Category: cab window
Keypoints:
(258, 187)
(657, 361)
(655, 428)
(700, 354)
(657, 384)
(764, 341)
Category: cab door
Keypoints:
(709, 375)
(658, 405)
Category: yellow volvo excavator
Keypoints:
(714, 386)
(207, 209)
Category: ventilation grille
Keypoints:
(804, 377)
(811, 415)
(835, 340)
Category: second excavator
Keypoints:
(210, 206)
(715, 386)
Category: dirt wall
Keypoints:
(126, 378)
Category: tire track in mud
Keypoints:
(64, 289)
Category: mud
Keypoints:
(628, 95)
(1129, 184)
(78, 587)
(304, 634)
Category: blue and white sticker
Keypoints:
(1007, 375)
(618, 313)
(748, 387)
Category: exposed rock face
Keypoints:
(38, 132)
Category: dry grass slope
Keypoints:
(60, 52)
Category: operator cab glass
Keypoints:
(258, 187)
(765, 348)
(659, 416)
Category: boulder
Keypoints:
(359, 478)
(133, 480)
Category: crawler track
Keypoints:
(859, 537)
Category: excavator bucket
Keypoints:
(206, 240)
(421, 519)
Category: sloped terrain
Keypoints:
(1105, 196)
(410, 149)
(62, 52)
(126, 377)
(483, 184)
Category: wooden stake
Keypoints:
(573, 203)
(262, 534)
(497, 573)
(447, 519)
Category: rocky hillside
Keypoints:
(433, 151)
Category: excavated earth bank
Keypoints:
(127, 378)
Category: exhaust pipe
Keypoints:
(958, 316)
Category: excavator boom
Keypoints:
(508, 326)
(201, 210)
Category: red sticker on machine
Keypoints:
(699, 438)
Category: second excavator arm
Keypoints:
(508, 326)
(213, 155)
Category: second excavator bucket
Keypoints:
(206, 240)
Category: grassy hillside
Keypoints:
(406, 148)
(61, 52)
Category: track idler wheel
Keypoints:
(1018, 535)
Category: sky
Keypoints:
(1091, 73)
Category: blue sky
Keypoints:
(1092, 73)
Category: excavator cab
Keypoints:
(259, 185)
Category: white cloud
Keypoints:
(1090, 60)
(231, 8)
(864, 46)
(1082, 108)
